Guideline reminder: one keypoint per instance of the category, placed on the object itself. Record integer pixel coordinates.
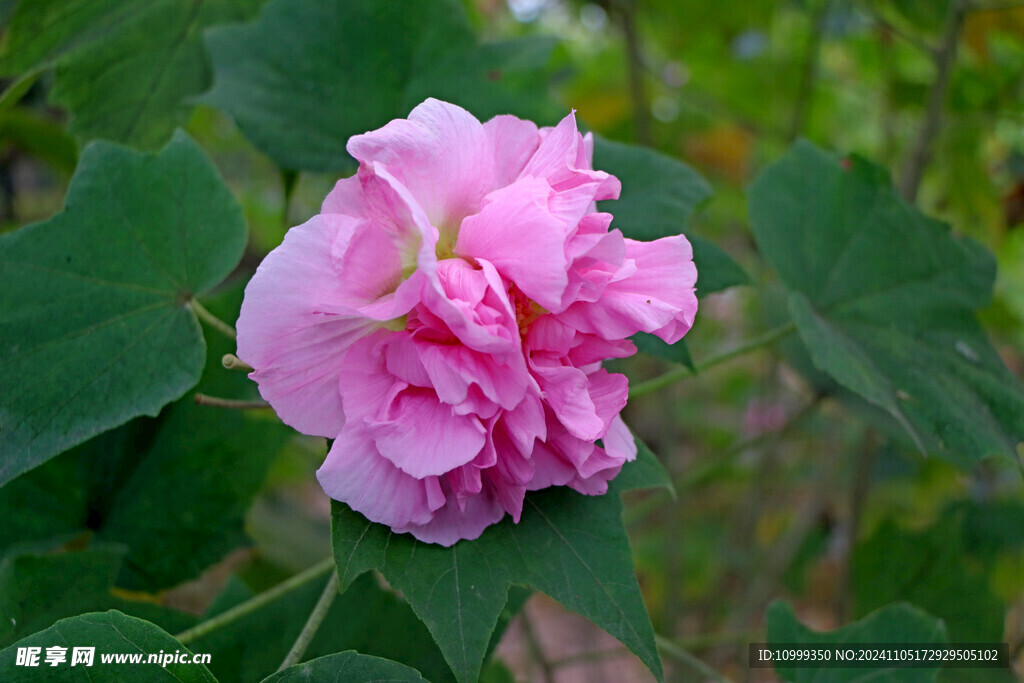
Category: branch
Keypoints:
(809, 72)
(316, 617)
(673, 376)
(641, 109)
(684, 657)
(251, 605)
(945, 58)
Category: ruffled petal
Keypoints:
(657, 296)
(355, 474)
(517, 232)
(295, 329)
(440, 153)
(423, 436)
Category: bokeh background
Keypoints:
(784, 489)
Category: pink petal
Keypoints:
(440, 153)
(423, 436)
(517, 233)
(562, 158)
(450, 524)
(365, 383)
(486, 324)
(658, 297)
(514, 141)
(619, 442)
(295, 329)
(355, 474)
(453, 369)
(565, 391)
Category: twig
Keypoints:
(233, 404)
(895, 30)
(684, 657)
(256, 602)
(634, 58)
(211, 320)
(945, 58)
(316, 617)
(673, 376)
(533, 644)
(858, 495)
(809, 72)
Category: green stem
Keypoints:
(233, 362)
(16, 90)
(682, 656)
(233, 404)
(316, 617)
(673, 376)
(211, 320)
(256, 602)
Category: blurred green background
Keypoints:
(786, 488)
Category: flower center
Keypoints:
(527, 310)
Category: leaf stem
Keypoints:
(233, 404)
(673, 376)
(210, 319)
(682, 656)
(316, 617)
(256, 602)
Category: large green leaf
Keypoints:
(365, 617)
(572, 547)
(350, 667)
(309, 74)
(37, 589)
(125, 69)
(929, 569)
(899, 623)
(110, 633)
(94, 311)
(158, 486)
(884, 299)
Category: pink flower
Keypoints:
(444, 319)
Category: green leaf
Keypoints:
(158, 486)
(309, 74)
(929, 570)
(884, 299)
(674, 353)
(570, 546)
(125, 70)
(350, 667)
(365, 617)
(659, 197)
(94, 310)
(39, 136)
(109, 633)
(646, 472)
(38, 589)
(898, 623)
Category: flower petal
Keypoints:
(295, 329)
(440, 153)
(423, 436)
(355, 474)
(658, 296)
(517, 232)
